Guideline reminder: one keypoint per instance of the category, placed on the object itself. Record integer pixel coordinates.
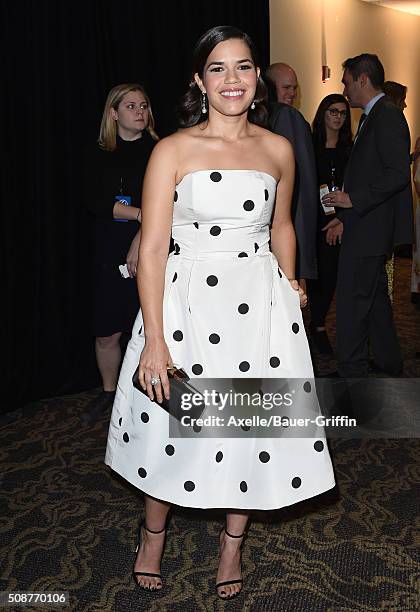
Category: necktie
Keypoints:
(359, 127)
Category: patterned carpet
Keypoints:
(69, 524)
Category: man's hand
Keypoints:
(334, 232)
(337, 198)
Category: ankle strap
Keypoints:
(234, 536)
(151, 531)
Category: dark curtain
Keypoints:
(59, 60)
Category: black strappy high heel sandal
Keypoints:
(227, 582)
(148, 574)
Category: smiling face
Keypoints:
(229, 78)
(286, 85)
(132, 115)
(335, 115)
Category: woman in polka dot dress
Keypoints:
(222, 305)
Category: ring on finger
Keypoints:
(155, 380)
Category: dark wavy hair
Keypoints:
(319, 133)
(189, 108)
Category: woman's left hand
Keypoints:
(302, 295)
(133, 255)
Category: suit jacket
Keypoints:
(290, 123)
(377, 179)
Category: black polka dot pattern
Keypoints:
(215, 177)
(264, 457)
(212, 280)
(197, 369)
(230, 301)
(141, 329)
(249, 205)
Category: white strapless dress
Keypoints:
(228, 312)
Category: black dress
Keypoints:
(321, 291)
(107, 175)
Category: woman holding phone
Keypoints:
(331, 132)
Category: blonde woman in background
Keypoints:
(114, 170)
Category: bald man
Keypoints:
(284, 79)
(290, 123)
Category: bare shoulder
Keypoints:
(169, 149)
(275, 142)
(178, 141)
(167, 144)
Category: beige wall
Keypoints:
(351, 27)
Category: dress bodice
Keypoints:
(223, 211)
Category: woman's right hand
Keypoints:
(154, 361)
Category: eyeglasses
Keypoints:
(134, 107)
(334, 112)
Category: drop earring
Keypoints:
(203, 104)
(253, 105)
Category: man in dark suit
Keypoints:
(375, 215)
(290, 123)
